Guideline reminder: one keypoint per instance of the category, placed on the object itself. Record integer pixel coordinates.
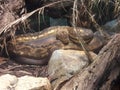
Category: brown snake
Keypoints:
(36, 48)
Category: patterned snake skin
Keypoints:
(36, 48)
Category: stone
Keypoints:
(99, 41)
(64, 64)
(33, 83)
(11, 82)
(112, 26)
(8, 82)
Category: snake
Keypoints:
(37, 48)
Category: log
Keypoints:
(114, 74)
(95, 75)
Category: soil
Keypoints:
(8, 66)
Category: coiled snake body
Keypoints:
(36, 48)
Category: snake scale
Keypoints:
(36, 48)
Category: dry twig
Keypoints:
(24, 17)
(80, 40)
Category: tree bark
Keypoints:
(96, 74)
(114, 74)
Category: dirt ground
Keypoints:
(8, 66)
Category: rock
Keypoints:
(33, 83)
(99, 41)
(64, 64)
(7, 82)
(112, 26)
(11, 82)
